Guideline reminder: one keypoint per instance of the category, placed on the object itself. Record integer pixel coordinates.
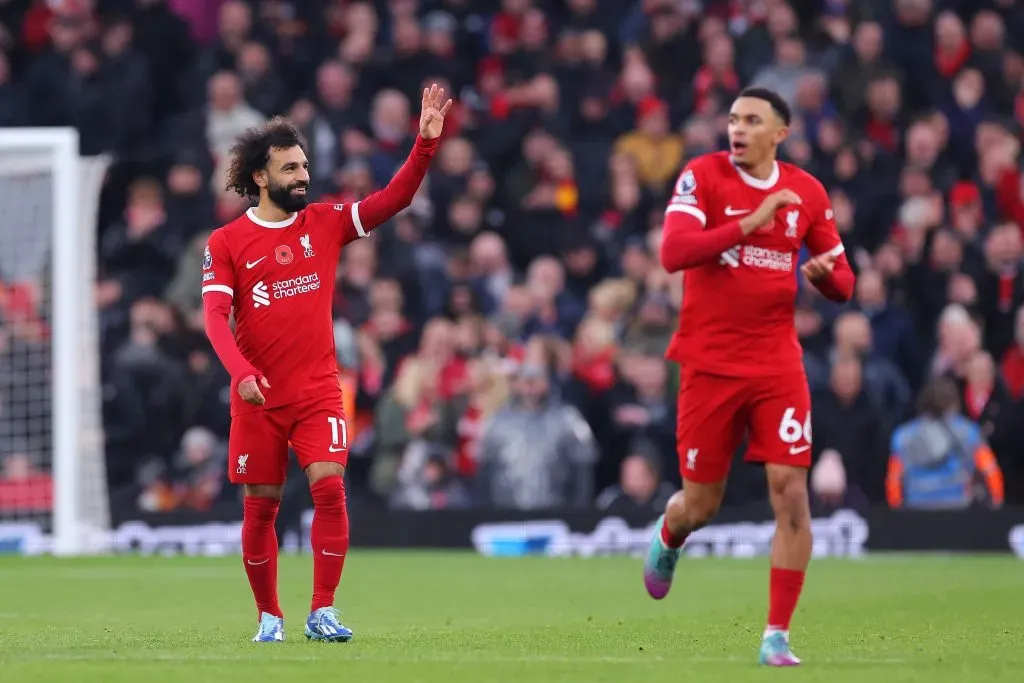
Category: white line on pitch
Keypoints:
(144, 655)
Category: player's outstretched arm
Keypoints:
(380, 206)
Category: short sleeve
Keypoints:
(822, 235)
(218, 266)
(691, 193)
(341, 220)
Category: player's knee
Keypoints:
(274, 491)
(328, 492)
(788, 492)
(319, 471)
(260, 510)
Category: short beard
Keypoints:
(282, 196)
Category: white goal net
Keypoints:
(53, 488)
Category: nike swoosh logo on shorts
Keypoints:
(252, 264)
(255, 564)
(332, 449)
(797, 450)
(729, 211)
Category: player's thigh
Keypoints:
(780, 422)
(709, 426)
(320, 433)
(258, 448)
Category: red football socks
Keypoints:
(259, 551)
(669, 539)
(783, 594)
(329, 538)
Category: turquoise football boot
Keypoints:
(660, 564)
(775, 651)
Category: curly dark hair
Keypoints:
(251, 152)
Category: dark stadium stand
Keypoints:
(534, 241)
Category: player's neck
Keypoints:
(270, 212)
(762, 170)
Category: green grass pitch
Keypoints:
(459, 618)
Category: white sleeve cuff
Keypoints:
(356, 220)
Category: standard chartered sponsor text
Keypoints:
(303, 284)
(760, 257)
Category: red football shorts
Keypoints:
(259, 439)
(715, 413)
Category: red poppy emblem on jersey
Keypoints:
(284, 254)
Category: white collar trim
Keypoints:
(251, 213)
(758, 183)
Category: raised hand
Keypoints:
(433, 111)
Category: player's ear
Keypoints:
(260, 177)
(781, 134)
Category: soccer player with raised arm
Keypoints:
(274, 266)
(735, 226)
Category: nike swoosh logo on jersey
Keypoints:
(797, 450)
(729, 211)
(252, 264)
(332, 449)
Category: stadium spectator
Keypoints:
(427, 482)
(853, 429)
(536, 452)
(640, 486)
(986, 401)
(883, 383)
(194, 479)
(940, 459)
(412, 413)
(1012, 368)
(24, 487)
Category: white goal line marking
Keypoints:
(454, 658)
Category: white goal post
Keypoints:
(49, 205)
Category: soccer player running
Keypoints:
(275, 267)
(735, 226)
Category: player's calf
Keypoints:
(686, 512)
(690, 509)
(791, 553)
(259, 549)
(329, 539)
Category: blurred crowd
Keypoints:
(501, 340)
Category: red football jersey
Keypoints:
(280, 277)
(738, 310)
